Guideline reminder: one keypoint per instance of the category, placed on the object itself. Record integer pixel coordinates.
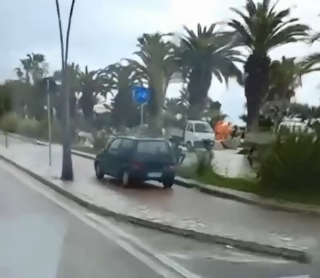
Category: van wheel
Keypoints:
(98, 170)
(189, 146)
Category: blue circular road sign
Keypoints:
(140, 95)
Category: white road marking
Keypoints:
(164, 259)
(232, 257)
(299, 276)
(167, 272)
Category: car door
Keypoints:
(109, 156)
(126, 151)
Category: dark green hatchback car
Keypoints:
(134, 159)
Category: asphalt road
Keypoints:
(40, 239)
(42, 234)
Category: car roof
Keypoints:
(140, 138)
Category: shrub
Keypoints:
(203, 164)
(55, 131)
(5, 99)
(292, 164)
(9, 123)
(38, 129)
(28, 127)
(100, 140)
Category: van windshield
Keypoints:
(202, 128)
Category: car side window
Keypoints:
(114, 146)
(126, 146)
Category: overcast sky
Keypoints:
(104, 31)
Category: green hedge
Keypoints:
(292, 164)
(9, 123)
(29, 127)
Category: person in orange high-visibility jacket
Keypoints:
(222, 130)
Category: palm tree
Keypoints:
(5, 98)
(260, 29)
(90, 85)
(304, 111)
(34, 66)
(73, 86)
(202, 54)
(67, 169)
(172, 105)
(156, 68)
(120, 79)
(35, 69)
(285, 77)
(177, 106)
(212, 112)
(183, 98)
(19, 73)
(314, 58)
(27, 66)
(172, 112)
(6, 107)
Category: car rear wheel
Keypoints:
(168, 183)
(125, 178)
(99, 172)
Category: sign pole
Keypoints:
(141, 96)
(141, 115)
(49, 120)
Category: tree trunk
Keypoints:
(154, 126)
(195, 111)
(256, 87)
(198, 88)
(67, 167)
(154, 110)
(253, 113)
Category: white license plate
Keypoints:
(154, 175)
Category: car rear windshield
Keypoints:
(155, 150)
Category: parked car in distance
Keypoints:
(133, 159)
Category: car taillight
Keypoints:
(172, 167)
(137, 166)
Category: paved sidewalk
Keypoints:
(180, 207)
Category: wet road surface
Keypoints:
(39, 239)
(44, 235)
(180, 207)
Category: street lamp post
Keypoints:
(67, 169)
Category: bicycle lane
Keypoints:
(182, 208)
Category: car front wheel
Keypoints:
(168, 183)
(99, 172)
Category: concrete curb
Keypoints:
(291, 254)
(253, 199)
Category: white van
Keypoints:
(193, 134)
